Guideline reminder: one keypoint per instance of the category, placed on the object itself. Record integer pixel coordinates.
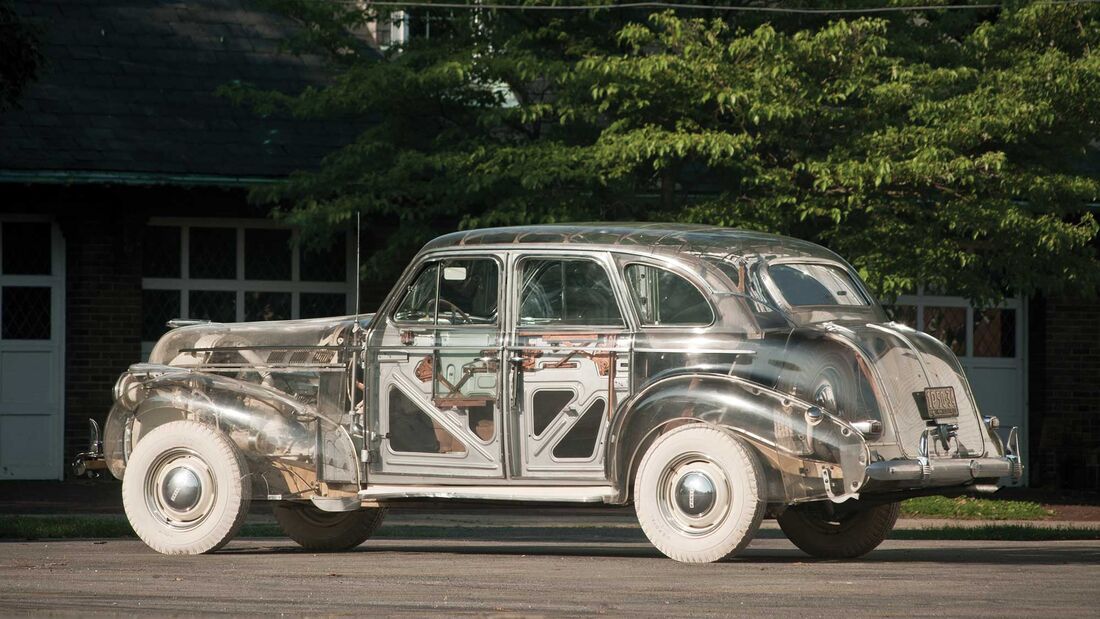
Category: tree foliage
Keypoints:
(955, 149)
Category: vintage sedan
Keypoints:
(711, 377)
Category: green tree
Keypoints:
(950, 148)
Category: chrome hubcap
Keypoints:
(180, 489)
(694, 494)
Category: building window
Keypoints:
(969, 331)
(239, 271)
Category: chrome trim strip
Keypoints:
(701, 351)
(570, 494)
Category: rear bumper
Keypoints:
(924, 472)
(948, 472)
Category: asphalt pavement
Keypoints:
(568, 575)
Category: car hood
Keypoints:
(189, 346)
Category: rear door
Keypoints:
(569, 364)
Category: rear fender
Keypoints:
(292, 451)
(809, 453)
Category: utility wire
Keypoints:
(681, 5)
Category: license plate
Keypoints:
(939, 402)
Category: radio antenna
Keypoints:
(358, 253)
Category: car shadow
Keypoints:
(992, 553)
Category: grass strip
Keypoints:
(971, 508)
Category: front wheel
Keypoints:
(819, 530)
(186, 490)
(315, 529)
(699, 494)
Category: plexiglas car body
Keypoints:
(548, 363)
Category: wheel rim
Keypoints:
(694, 495)
(180, 489)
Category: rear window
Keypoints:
(816, 284)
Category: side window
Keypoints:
(419, 302)
(665, 298)
(566, 292)
(453, 292)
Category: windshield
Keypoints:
(817, 285)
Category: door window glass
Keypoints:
(468, 292)
(664, 298)
(27, 248)
(453, 292)
(26, 312)
(567, 292)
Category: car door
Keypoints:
(436, 381)
(569, 364)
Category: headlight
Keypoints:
(127, 390)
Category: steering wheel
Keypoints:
(455, 310)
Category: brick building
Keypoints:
(123, 203)
(123, 184)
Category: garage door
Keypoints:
(31, 344)
(990, 343)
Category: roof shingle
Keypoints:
(128, 86)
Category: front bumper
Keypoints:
(925, 472)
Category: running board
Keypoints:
(550, 494)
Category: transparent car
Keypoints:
(710, 377)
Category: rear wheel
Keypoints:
(185, 490)
(820, 530)
(323, 531)
(829, 380)
(699, 494)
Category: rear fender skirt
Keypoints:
(814, 454)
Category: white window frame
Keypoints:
(241, 285)
(920, 301)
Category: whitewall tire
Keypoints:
(699, 494)
(185, 489)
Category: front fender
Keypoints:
(810, 453)
(288, 445)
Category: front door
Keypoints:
(436, 391)
(569, 365)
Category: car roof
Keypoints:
(656, 238)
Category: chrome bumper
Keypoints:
(930, 472)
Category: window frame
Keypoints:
(686, 277)
(920, 300)
(602, 259)
(401, 291)
(239, 285)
